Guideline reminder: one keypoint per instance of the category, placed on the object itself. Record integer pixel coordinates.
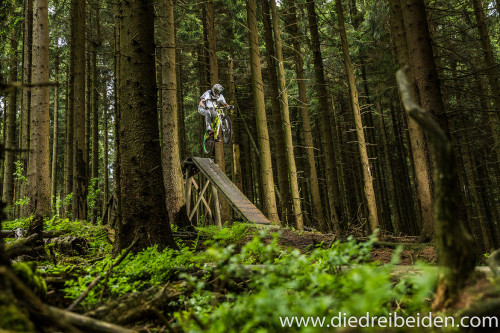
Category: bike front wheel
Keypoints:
(227, 130)
(208, 143)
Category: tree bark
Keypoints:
(117, 114)
(142, 197)
(268, 195)
(80, 163)
(489, 57)
(38, 172)
(367, 176)
(304, 114)
(180, 103)
(10, 130)
(55, 135)
(214, 78)
(236, 163)
(69, 134)
(326, 137)
(26, 94)
(287, 127)
(105, 171)
(172, 173)
(94, 181)
(388, 167)
(420, 158)
(285, 202)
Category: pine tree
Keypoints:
(38, 172)
(172, 173)
(269, 198)
(142, 210)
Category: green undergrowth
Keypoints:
(243, 280)
(137, 272)
(236, 234)
(286, 282)
(96, 235)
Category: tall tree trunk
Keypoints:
(180, 104)
(367, 176)
(374, 150)
(38, 172)
(4, 122)
(214, 78)
(26, 94)
(285, 201)
(421, 59)
(266, 170)
(143, 211)
(95, 112)
(304, 114)
(287, 127)
(117, 113)
(10, 130)
(105, 172)
(172, 173)
(476, 203)
(337, 138)
(489, 57)
(55, 135)
(388, 167)
(417, 140)
(334, 200)
(80, 163)
(236, 163)
(69, 135)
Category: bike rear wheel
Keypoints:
(227, 130)
(208, 143)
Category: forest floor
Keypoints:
(234, 279)
(382, 252)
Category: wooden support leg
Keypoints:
(216, 207)
(199, 199)
(188, 193)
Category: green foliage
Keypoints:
(95, 235)
(136, 272)
(21, 178)
(18, 223)
(290, 283)
(19, 172)
(234, 234)
(92, 196)
(22, 201)
(66, 203)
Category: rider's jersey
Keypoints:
(210, 101)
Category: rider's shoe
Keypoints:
(217, 140)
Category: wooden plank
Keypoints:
(236, 199)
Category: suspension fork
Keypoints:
(219, 118)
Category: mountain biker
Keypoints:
(208, 101)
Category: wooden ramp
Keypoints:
(219, 182)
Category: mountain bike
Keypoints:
(221, 126)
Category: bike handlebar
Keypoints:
(221, 107)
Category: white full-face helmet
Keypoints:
(216, 90)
